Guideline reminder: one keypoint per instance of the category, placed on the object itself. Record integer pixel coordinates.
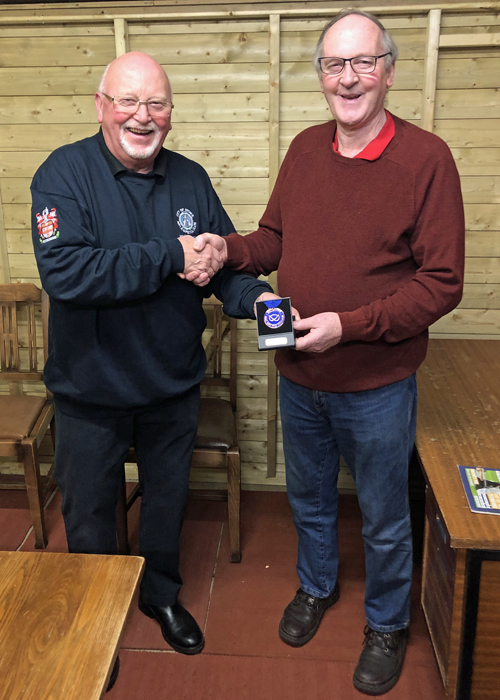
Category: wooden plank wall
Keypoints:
(243, 87)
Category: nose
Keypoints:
(142, 114)
(348, 77)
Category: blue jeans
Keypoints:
(374, 431)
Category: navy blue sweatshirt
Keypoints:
(125, 331)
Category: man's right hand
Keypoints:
(202, 262)
(218, 242)
(202, 243)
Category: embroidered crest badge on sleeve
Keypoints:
(185, 221)
(47, 225)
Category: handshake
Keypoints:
(203, 257)
(207, 253)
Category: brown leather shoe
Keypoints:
(381, 661)
(302, 616)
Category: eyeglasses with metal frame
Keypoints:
(331, 65)
(130, 105)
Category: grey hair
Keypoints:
(103, 79)
(388, 43)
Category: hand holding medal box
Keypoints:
(275, 324)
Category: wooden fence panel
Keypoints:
(243, 88)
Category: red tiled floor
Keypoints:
(56, 534)
(241, 605)
(221, 677)
(266, 581)
(200, 540)
(15, 519)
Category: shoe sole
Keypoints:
(369, 689)
(300, 641)
(189, 651)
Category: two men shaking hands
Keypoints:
(206, 254)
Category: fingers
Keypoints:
(200, 279)
(197, 264)
(265, 296)
(201, 241)
(303, 324)
(217, 242)
(325, 331)
(305, 343)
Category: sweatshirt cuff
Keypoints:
(235, 250)
(353, 323)
(252, 296)
(176, 253)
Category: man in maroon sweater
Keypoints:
(365, 227)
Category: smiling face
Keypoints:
(356, 101)
(134, 139)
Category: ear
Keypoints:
(98, 106)
(322, 87)
(390, 76)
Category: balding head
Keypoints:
(135, 139)
(134, 61)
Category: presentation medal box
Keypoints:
(275, 324)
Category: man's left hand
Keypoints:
(325, 331)
(265, 296)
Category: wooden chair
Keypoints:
(216, 441)
(24, 420)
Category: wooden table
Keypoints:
(459, 423)
(61, 620)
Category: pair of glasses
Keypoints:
(130, 105)
(331, 65)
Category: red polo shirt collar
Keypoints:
(376, 147)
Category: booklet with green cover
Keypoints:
(482, 488)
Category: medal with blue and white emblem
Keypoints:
(275, 324)
(274, 318)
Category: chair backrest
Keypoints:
(18, 332)
(219, 328)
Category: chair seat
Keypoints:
(216, 425)
(18, 415)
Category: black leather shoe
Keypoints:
(178, 626)
(114, 674)
(381, 661)
(302, 616)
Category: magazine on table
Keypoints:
(482, 488)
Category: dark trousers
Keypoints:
(90, 453)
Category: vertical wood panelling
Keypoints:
(244, 87)
(464, 86)
(121, 36)
(274, 98)
(430, 70)
(274, 143)
(4, 255)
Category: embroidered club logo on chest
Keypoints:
(47, 225)
(185, 221)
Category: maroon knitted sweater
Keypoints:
(379, 242)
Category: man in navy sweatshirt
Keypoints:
(114, 219)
